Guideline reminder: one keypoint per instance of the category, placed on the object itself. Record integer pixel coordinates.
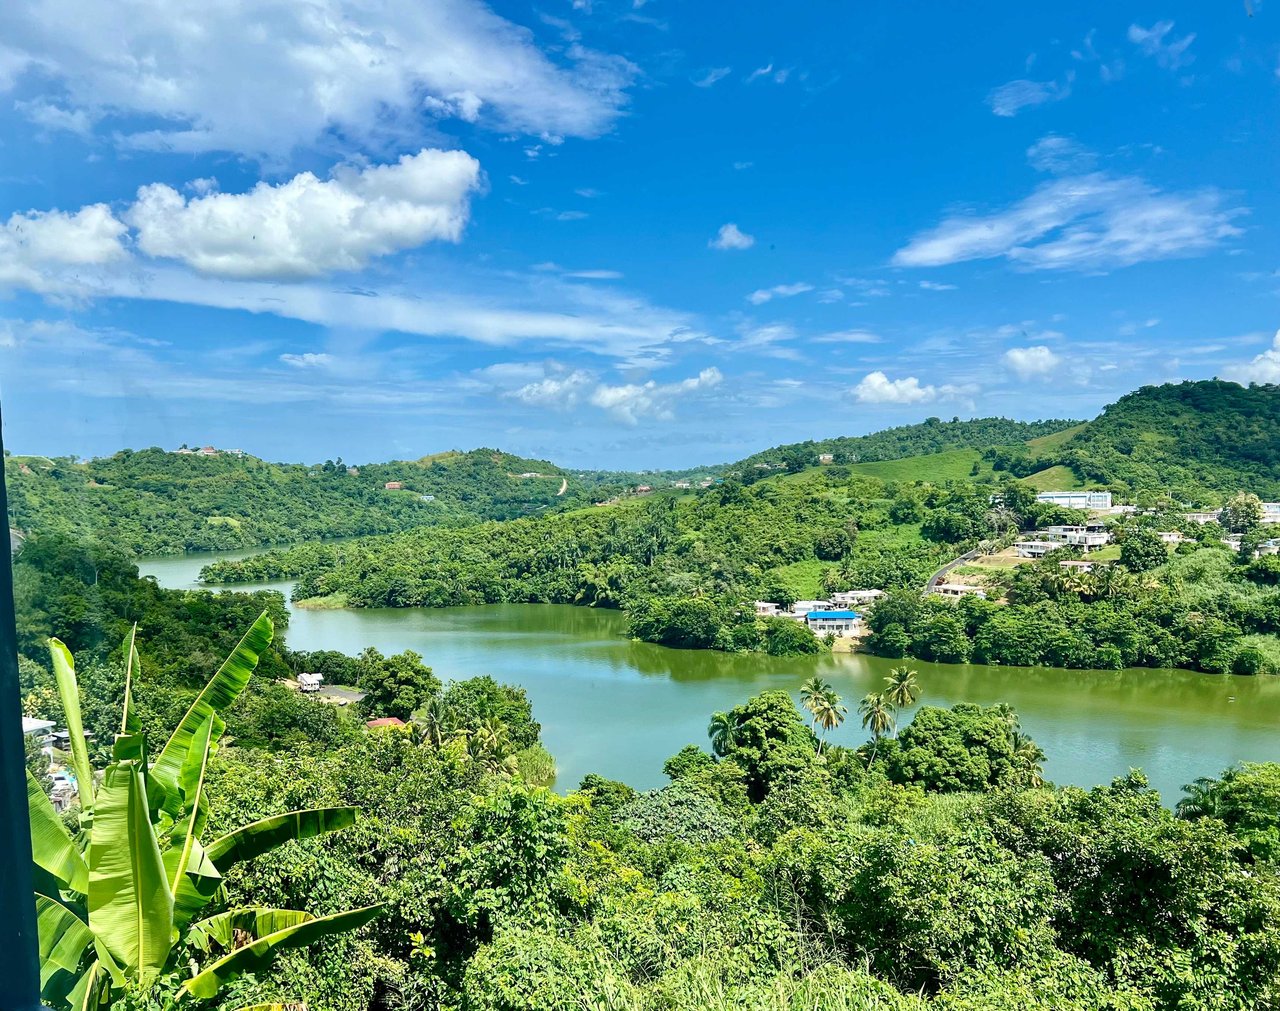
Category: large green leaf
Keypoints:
(64, 671)
(129, 722)
(258, 955)
(259, 836)
(196, 887)
(89, 992)
(63, 938)
(191, 784)
(222, 690)
(51, 845)
(130, 903)
(255, 922)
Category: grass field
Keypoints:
(953, 465)
(1054, 441)
(1054, 479)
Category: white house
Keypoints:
(1172, 536)
(1075, 565)
(848, 598)
(825, 458)
(1077, 499)
(959, 590)
(1205, 517)
(767, 609)
(837, 623)
(1034, 549)
(309, 682)
(40, 728)
(802, 607)
(1087, 538)
(1271, 512)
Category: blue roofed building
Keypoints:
(837, 623)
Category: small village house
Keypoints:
(309, 682)
(851, 598)
(393, 486)
(959, 590)
(841, 624)
(825, 458)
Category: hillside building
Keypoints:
(959, 590)
(838, 623)
(1077, 499)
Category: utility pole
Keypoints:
(19, 947)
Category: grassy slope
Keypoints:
(953, 465)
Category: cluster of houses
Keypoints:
(207, 451)
(64, 791)
(827, 617)
(1270, 514)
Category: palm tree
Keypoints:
(1028, 760)
(815, 693)
(722, 730)
(1201, 800)
(877, 714)
(903, 689)
(828, 715)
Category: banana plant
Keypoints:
(118, 902)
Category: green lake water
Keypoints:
(619, 708)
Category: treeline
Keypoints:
(1200, 611)
(930, 436)
(1178, 441)
(156, 502)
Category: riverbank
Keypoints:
(620, 708)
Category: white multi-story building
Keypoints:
(1034, 549)
(837, 623)
(1077, 499)
(849, 598)
(1089, 538)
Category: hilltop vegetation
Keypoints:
(156, 502)
(928, 437)
(1181, 440)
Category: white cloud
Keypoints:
(763, 295)
(712, 76)
(53, 117)
(1033, 362)
(1085, 222)
(739, 166)
(48, 251)
(558, 392)
(877, 388)
(936, 286)
(1059, 155)
(307, 227)
(308, 360)
(263, 77)
(731, 236)
(1009, 99)
(1264, 368)
(1172, 54)
(571, 215)
(760, 72)
(631, 402)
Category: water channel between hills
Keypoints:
(620, 708)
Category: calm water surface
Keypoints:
(619, 708)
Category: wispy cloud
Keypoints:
(712, 75)
(631, 402)
(1010, 99)
(1155, 42)
(1060, 155)
(762, 295)
(1089, 222)
(307, 360)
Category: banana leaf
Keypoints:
(130, 903)
(258, 955)
(129, 722)
(256, 922)
(87, 994)
(196, 887)
(191, 783)
(64, 671)
(51, 845)
(260, 836)
(222, 690)
(63, 938)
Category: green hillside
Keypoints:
(1192, 440)
(156, 502)
(952, 465)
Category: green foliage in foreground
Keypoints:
(117, 901)
(773, 877)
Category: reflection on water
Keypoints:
(619, 708)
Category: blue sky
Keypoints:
(621, 233)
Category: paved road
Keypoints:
(938, 576)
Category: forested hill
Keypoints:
(1179, 439)
(155, 502)
(930, 436)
